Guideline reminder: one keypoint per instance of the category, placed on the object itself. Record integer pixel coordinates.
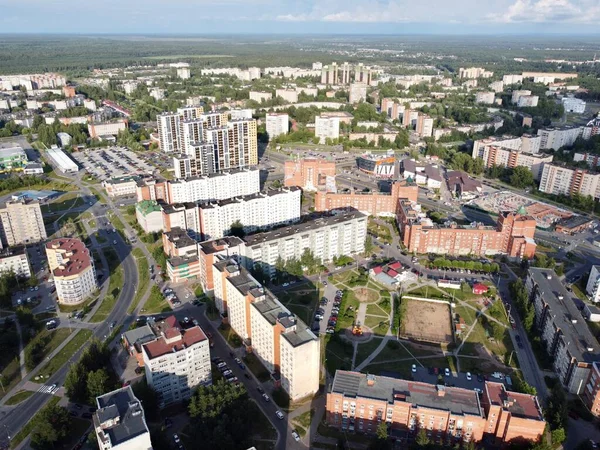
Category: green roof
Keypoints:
(522, 210)
(146, 207)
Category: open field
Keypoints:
(427, 321)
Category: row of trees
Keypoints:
(443, 263)
(519, 177)
(524, 306)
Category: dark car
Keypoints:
(259, 389)
(246, 375)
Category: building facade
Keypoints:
(284, 344)
(327, 128)
(121, 186)
(308, 174)
(15, 261)
(209, 252)
(72, 269)
(149, 215)
(21, 223)
(560, 180)
(277, 124)
(177, 361)
(106, 128)
(592, 288)
(555, 138)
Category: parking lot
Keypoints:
(112, 162)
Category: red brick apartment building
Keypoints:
(309, 174)
(591, 392)
(368, 203)
(512, 236)
(358, 402)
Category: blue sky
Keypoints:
(301, 16)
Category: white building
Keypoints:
(555, 138)
(486, 97)
(121, 186)
(593, 285)
(289, 95)
(358, 92)
(168, 125)
(15, 260)
(177, 361)
(277, 123)
(497, 86)
(254, 212)
(150, 216)
(237, 114)
(119, 422)
(512, 79)
(474, 72)
(284, 344)
(157, 93)
(21, 222)
(327, 127)
(99, 129)
(259, 97)
(528, 101)
(559, 180)
(61, 160)
(183, 73)
(574, 105)
(326, 238)
(516, 94)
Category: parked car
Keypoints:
(447, 372)
(295, 435)
(469, 376)
(414, 368)
(279, 414)
(266, 398)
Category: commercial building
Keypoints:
(99, 129)
(565, 336)
(217, 186)
(277, 124)
(254, 212)
(284, 344)
(150, 216)
(513, 236)
(474, 72)
(574, 105)
(486, 97)
(358, 92)
(119, 421)
(559, 180)
(61, 160)
(12, 158)
(376, 204)
(72, 269)
(309, 174)
(289, 95)
(573, 224)
(33, 169)
(325, 237)
(555, 138)
(177, 361)
(592, 289)
(381, 166)
(121, 186)
(421, 174)
(21, 223)
(15, 261)
(327, 128)
(359, 402)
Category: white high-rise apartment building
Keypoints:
(526, 143)
(327, 127)
(168, 125)
(283, 343)
(593, 285)
(22, 223)
(555, 138)
(559, 180)
(177, 361)
(277, 123)
(326, 238)
(119, 422)
(15, 261)
(254, 212)
(474, 72)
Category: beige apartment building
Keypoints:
(22, 223)
(72, 269)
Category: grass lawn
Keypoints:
(256, 367)
(338, 354)
(373, 322)
(302, 422)
(19, 397)
(63, 203)
(364, 350)
(11, 375)
(115, 284)
(374, 309)
(143, 277)
(117, 223)
(80, 306)
(67, 352)
(230, 336)
(429, 292)
(29, 426)
(382, 232)
(99, 195)
(156, 303)
(50, 339)
(580, 292)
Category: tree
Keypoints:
(51, 425)
(97, 383)
(558, 436)
(422, 440)
(369, 245)
(237, 229)
(521, 177)
(382, 432)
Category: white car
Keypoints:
(295, 435)
(469, 377)
(266, 397)
(114, 242)
(447, 372)
(414, 368)
(279, 414)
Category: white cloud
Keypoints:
(552, 11)
(372, 11)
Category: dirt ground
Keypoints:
(427, 321)
(366, 295)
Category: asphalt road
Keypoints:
(14, 418)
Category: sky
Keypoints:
(301, 16)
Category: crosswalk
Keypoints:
(45, 389)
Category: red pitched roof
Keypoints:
(396, 265)
(377, 270)
(392, 273)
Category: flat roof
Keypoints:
(218, 245)
(10, 152)
(303, 227)
(577, 335)
(61, 159)
(458, 401)
(574, 222)
(519, 405)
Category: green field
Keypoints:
(143, 277)
(19, 397)
(115, 285)
(80, 338)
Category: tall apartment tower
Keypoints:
(168, 127)
(329, 74)
(362, 74)
(345, 78)
(21, 222)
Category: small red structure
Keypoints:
(480, 289)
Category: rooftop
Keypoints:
(179, 238)
(248, 198)
(304, 227)
(581, 343)
(139, 336)
(12, 152)
(172, 338)
(456, 400)
(218, 245)
(574, 222)
(75, 256)
(146, 207)
(519, 405)
(121, 416)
